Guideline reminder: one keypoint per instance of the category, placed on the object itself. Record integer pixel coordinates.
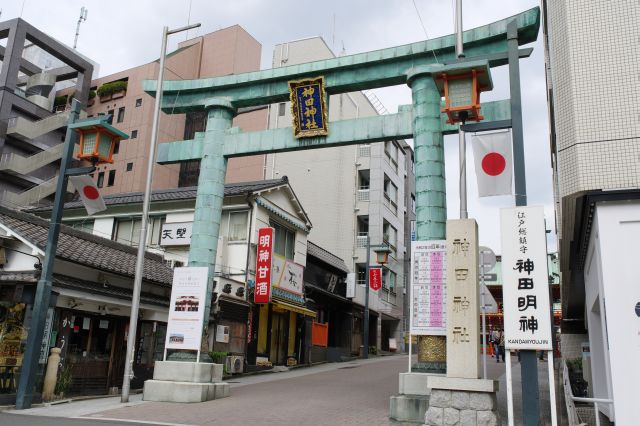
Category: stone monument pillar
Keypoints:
(461, 397)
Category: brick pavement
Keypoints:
(349, 394)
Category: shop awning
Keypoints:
(294, 308)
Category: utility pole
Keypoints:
(83, 17)
(462, 143)
(142, 242)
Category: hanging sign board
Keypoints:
(308, 107)
(351, 285)
(375, 278)
(527, 323)
(186, 310)
(262, 293)
(428, 287)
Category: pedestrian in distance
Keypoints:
(500, 346)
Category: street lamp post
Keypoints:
(24, 395)
(142, 242)
(382, 255)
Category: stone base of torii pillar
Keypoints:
(460, 397)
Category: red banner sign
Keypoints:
(262, 293)
(375, 278)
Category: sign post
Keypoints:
(527, 323)
(487, 262)
(186, 310)
(262, 292)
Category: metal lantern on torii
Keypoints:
(461, 84)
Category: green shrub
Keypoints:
(110, 88)
(92, 94)
(64, 380)
(60, 100)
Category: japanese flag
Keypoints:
(89, 193)
(492, 155)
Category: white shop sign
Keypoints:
(176, 234)
(527, 321)
(186, 311)
(428, 288)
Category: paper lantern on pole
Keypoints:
(98, 139)
(461, 84)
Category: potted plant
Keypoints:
(92, 98)
(113, 90)
(64, 381)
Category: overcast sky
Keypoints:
(123, 34)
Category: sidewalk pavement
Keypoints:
(111, 407)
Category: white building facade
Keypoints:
(593, 64)
(349, 192)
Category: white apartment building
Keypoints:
(349, 192)
(593, 64)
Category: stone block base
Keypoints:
(165, 391)
(408, 409)
(178, 381)
(463, 408)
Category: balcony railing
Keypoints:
(361, 240)
(363, 194)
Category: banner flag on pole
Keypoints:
(494, 164)
(89, 193)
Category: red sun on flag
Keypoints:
(493, 163)
(91, 192)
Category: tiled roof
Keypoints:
(86, 249)
(325, 256)
(187, 193)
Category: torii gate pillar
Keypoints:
(431, 200)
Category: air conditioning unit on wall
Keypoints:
(235, 364)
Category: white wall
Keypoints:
(613, 249)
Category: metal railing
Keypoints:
(361, 240)
(364, 150)
(363, 194)
(572, 413)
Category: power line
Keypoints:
(425, 30)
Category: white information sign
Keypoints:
(428, 287)
(527, 321)
(287, 275)
(351, 285)
(186, 311)
(176, 234)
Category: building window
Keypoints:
(238, 226)
(413, 203)
(390, 194)
(127, 231)
(134, 134)
(138, 102)
(100, 180)
(110, 113)
(389, 234)
(389, 281)
(281, 109)
(82, 225)
(112, 178)
(189, 172)
(129, 167)
(120, 115)
(116, 148)
(285, 241)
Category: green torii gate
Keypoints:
(411, 64)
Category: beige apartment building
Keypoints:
(227, 51)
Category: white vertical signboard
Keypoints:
(186, 311)
(428, 288)
(527, 321)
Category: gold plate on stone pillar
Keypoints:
(432, 349)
